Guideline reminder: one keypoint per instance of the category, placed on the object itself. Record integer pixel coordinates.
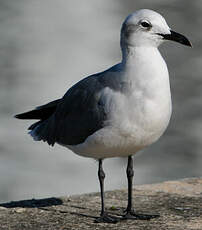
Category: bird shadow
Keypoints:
(33, 203)
(43, 204)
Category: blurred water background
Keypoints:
(45, 47)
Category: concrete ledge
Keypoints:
(179, 204)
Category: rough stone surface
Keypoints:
(179, 204)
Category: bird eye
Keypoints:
(145, 24)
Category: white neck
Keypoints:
(145, 68)
(131, 54)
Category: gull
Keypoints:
(117, 112)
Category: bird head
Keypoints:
(148, 28)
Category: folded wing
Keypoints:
(70, 120)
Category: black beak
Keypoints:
(173, 36)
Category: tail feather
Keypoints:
(33, 126)
(37, 131)
(41, 129)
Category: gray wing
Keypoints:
(80, 113)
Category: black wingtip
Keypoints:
(17, 116)
(23, 115)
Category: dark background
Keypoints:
(45, 47)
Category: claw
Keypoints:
(131, 215)
(105, 218)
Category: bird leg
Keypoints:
(130, 212)
(104, 217)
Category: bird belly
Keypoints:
(130, 127)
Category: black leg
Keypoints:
(101, 176)
(104, 217)
(130, 213)
(130, 174)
